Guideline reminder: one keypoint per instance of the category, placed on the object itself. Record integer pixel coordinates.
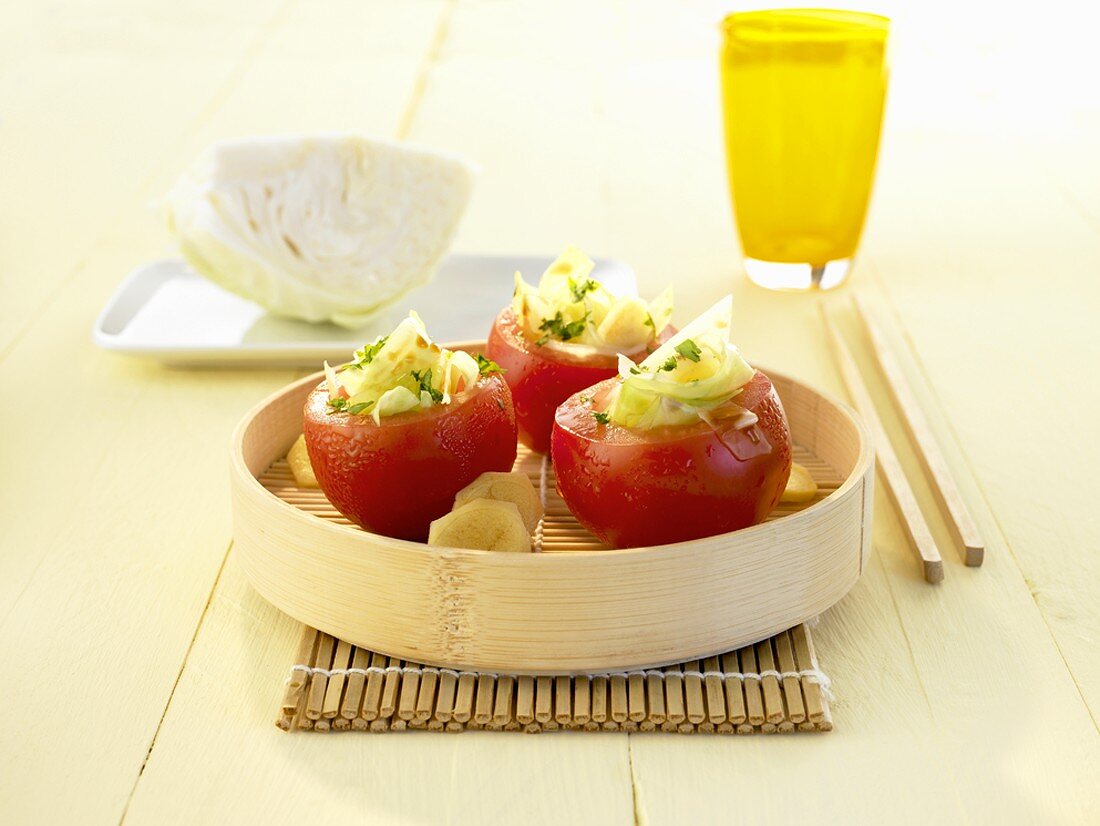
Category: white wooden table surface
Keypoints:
(140, 674)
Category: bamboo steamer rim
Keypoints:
(242, 473)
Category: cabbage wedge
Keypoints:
(324, 228)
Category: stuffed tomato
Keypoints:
(690, 443)
(541, 378)
(565, 335)
(395, 434)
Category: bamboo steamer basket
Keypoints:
(574, 611)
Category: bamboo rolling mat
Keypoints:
(774, 685)
(771, 686)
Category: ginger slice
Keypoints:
(801, 486)
(482, 524)
(298, 459)
(512, 487)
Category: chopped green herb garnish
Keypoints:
(579, 291)
(669, 364)
(601, 416)
(635, 371)
(557, 326)
(649, 322)
(486, 366)
(339, 404)
(689, 350)
(366, 355)
(425, 381)
(575, 328)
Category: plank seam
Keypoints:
(176, 682)
(1027, 152)
(635, 796)
(404, 125)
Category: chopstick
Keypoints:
(959, 521)
(897, 486)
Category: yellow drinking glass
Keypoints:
(803, 92)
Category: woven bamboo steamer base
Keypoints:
(556, 613)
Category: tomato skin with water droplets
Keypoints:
(670, 484)
(541, 378)
(394, 478)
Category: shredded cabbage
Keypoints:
(402, 371)
(572, 311)
(324, 228)
(693, 376)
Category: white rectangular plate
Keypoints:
(165, 311)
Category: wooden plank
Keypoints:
(218, 736)
(118, 525)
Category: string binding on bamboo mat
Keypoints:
(772, 686)
(812, 674)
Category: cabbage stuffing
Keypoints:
(572, 311)
(695, 375)
(325, 228)
(403, 371)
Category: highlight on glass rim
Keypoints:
(516, 412)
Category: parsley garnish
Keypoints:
(486, 366)
(601, 416)
(366, 355)
(557, 326)
(689, 350)
(579, 291)
(425, 381)
(340, 405)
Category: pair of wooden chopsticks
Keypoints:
(964, 532)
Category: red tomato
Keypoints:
(541, 378)
(670, 484)
(394, 478)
